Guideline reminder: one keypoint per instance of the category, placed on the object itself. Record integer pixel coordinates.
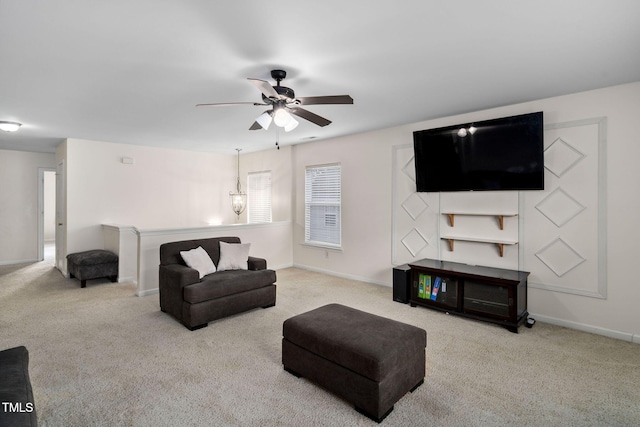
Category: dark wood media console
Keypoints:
(484, 293)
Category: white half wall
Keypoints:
(271, 241)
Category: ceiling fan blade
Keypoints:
(308, 115)
(332, 99)
(226, 104)
(265, 87)
(255, 126)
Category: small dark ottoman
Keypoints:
(93, 264)
(366, 359)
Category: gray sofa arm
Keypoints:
(16, 393)
(172, 278)
(177, 276)
(256, 263)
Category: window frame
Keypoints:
(333, 241)
(265, 198)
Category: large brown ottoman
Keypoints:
(366, 359)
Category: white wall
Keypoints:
(163, 188)
(365, 161)
(367, 194)
(161, 195)
(19, 204)
(278, 162)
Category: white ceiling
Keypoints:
(132, 71)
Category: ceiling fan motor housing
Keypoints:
(283, 91)
(278, 75)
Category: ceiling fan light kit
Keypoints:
(265, 120)
(281, 118)
(291, 125)
(285, 104)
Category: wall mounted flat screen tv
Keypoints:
(498, 154)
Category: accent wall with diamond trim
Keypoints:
(556, 234)
(577, 237)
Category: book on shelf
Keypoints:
(424, 286)
(427, 287)
(436, 288)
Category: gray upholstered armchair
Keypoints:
(195, 298)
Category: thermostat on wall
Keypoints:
(127, 160)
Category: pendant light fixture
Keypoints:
(239, 198)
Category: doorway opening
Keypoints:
(47, 218)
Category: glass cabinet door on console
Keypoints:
(439, 291)
(487, 299)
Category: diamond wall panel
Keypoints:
(564, 240)
(415, 226)
(560, 156)
(560, 257)
(559, 207)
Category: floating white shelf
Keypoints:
(499, 242)
(499, 215)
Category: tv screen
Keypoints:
(498, 154)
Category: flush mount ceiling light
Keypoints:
(10, 126)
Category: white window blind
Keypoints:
(322, 205)
(259, 197)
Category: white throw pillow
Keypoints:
(234, 256)
(200, 260)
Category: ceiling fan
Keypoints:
(285, 104)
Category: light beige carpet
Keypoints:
(101, 356)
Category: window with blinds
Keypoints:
(322, 200)
(259, 197)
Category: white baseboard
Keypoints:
(588, 328)
(280, 267)
(342, 275)
(147, 292)
(22, 261)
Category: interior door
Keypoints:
(61, 218)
